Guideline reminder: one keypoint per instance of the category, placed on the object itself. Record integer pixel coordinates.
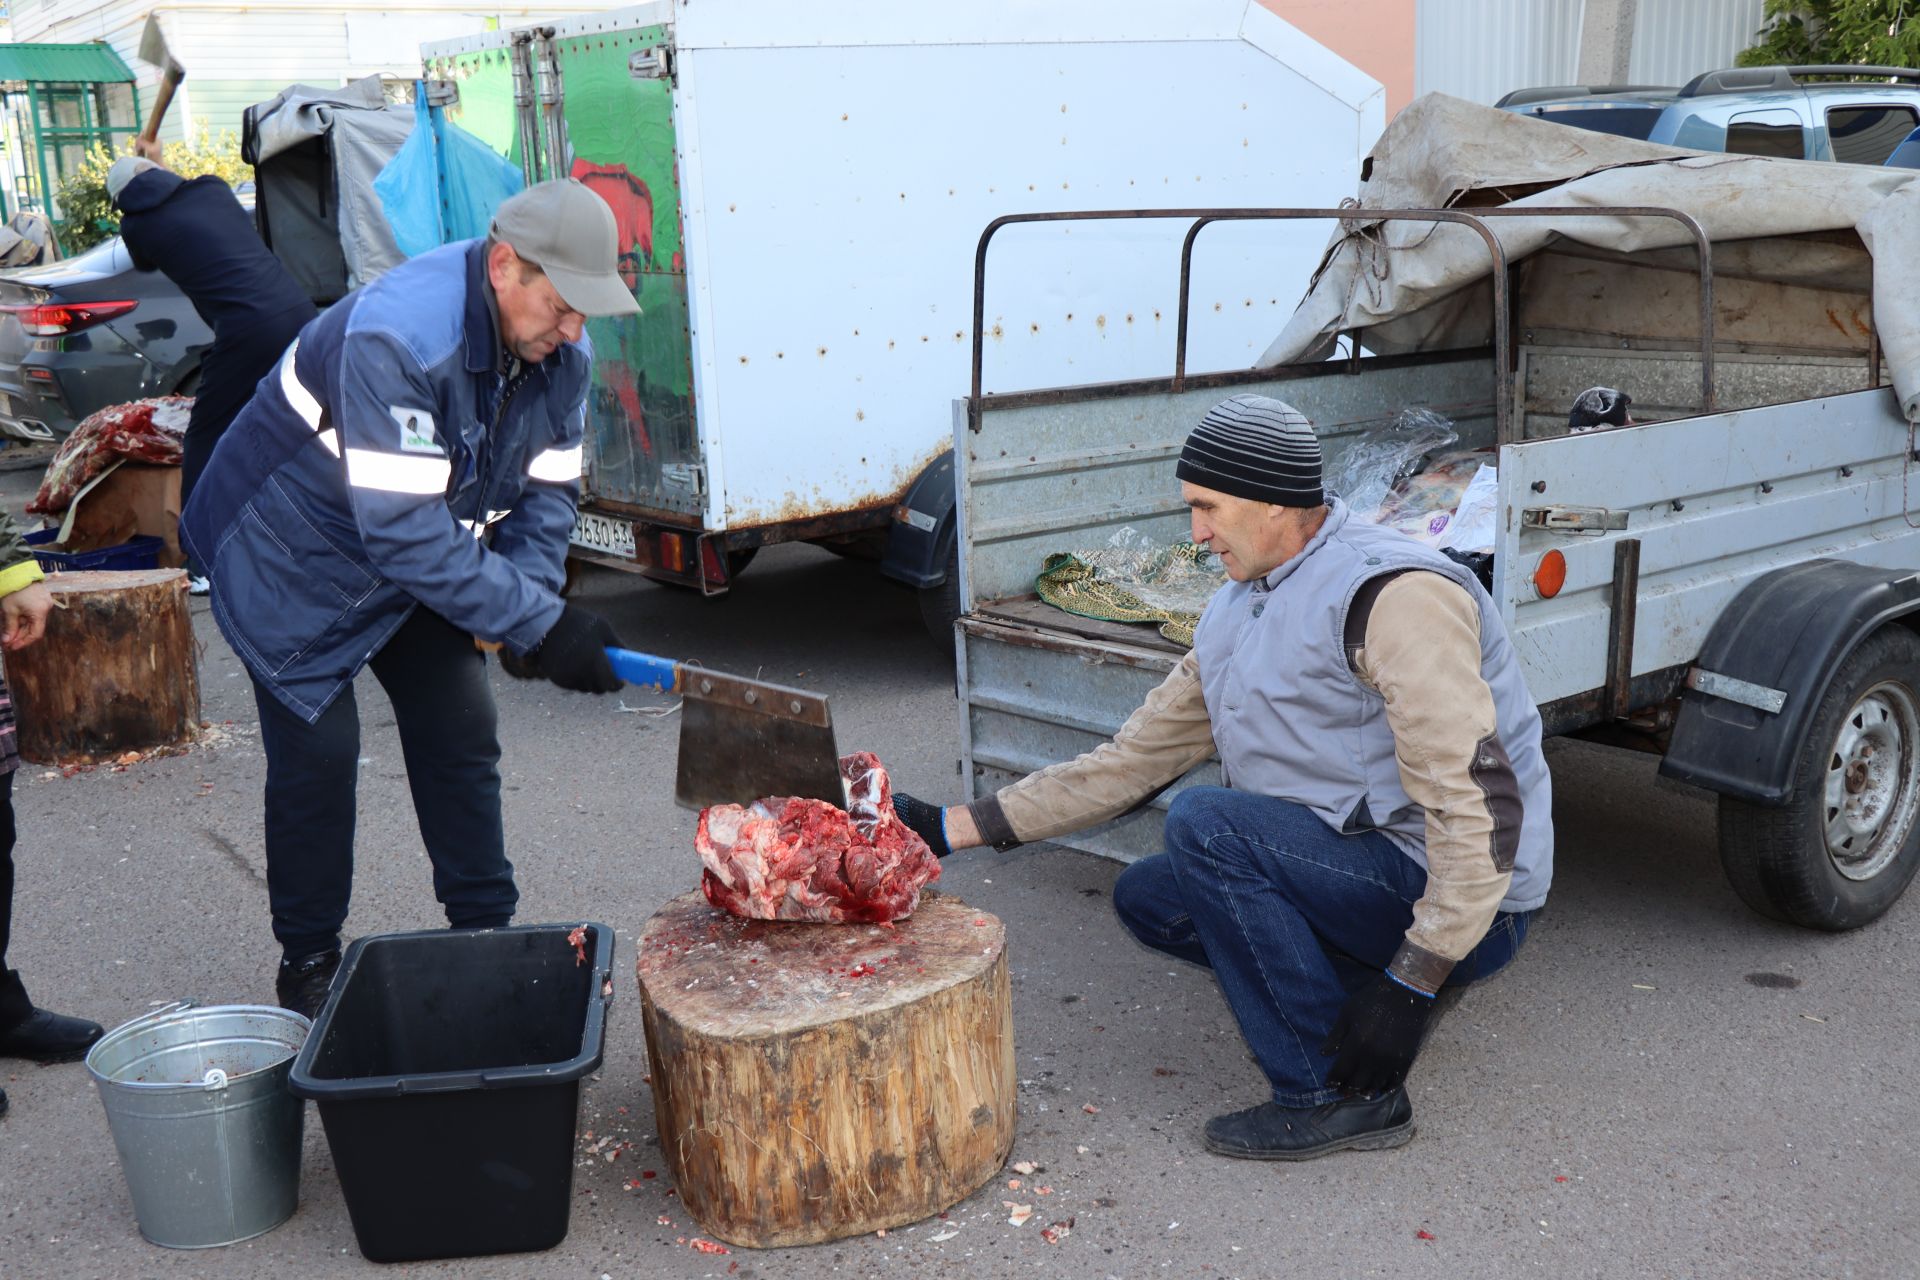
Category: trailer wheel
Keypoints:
(1844, 847)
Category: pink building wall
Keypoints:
(1374, 35)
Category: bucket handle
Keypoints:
(165, 1010)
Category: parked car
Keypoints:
(89, 331)
(1762, 111)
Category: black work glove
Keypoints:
(573, 654)
(925, 821)
(517, 667)
(1376, 1036)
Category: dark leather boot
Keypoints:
(1273, 1132)
(302, 985)
(49, 1037)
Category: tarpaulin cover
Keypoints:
(316, 153)
(140, 431)
(1410, 285)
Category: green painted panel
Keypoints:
(621, 129)
(640, 413)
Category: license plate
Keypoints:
(6, 406)
(603, 533)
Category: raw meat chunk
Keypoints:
(789, 858)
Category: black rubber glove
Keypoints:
(925, 820)
(1377, 1035)
(574, 653)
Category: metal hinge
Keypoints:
(1733, 689)
(442, 93)
(1572, 519)
(690, 476)
(655, 63)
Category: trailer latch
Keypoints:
(652, 64)
(1733, 689)
(443, 93)
(1572, 519)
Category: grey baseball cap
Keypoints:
(125, 170)
(569, 233)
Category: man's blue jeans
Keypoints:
(1290, 915)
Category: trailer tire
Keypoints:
(1847, 842)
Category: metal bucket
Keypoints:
(209, 1136)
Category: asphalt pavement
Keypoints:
(1663, 1084)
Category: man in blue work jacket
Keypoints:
(402, 485)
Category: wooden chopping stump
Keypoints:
(817, 1081)
(117, 670)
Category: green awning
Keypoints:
(63, 64)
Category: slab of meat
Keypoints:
(788, 858)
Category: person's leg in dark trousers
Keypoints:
(312, 773)
(449, 735)
(14, 1004)
(27, 1032)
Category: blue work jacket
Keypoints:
(390, 461)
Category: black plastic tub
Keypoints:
(447, 1069)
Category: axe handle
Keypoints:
(162, 99)
(645, 670)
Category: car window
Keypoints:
(1622, 122)
(1768, 133)
(1868, 135)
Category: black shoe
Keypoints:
(3, 1102)
(50, 1037)
(302, 985)
(1273, 1132)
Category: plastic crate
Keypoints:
(447, 1069)
(142, 552)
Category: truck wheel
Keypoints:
(940, 605)
(1844, 846)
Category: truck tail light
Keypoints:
(57, 319)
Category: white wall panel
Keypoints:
(1675, 40)
(1481, 49)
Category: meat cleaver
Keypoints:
(741, 739)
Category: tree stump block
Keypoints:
(817, 1081)
(117, 670)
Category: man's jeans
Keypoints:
(1290, 915)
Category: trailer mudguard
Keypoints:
(921, 536)
(1786, 633)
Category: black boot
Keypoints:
(49, 1037)
(1273, 1132)
(302, 985)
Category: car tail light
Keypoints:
(55, 319)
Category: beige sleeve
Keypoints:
(1167, 736)
(1422, 653)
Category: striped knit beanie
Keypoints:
(1258, 448)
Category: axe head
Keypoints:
(153, 49)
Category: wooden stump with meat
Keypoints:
(817, 1081)
(117, 670)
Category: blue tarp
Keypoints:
(443, 184)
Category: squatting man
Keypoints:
(1384, 831)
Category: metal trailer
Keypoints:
(1731, 585)
(792, 183)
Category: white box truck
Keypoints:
(799, 188)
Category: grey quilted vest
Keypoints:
(1290, 719)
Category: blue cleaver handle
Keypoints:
(643, 669)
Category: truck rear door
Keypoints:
(612, 79)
